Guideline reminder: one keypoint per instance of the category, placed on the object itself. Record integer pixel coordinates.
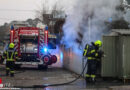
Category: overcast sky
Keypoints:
(18, 9)
(24, 9)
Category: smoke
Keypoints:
(87, 18)
(127, 10)
(127, 16)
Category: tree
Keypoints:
(52, 18)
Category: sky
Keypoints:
(24, 9)
(18, 9)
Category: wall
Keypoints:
(72, 61)
(116, 63)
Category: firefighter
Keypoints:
(93, 53)
(10, 55)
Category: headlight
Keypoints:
(35, 50)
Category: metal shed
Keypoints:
(116, 46)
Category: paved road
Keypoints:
(29, 76)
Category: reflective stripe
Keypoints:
(16, 52)
(16, 55)
(87, 75)
(96, 54)
(11, 71)
(10, 59)
(89, 58)
(85, 51)
(7, 68)
(93, 76)
(92, 51)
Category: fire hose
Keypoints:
(46, 85)
(58, 84)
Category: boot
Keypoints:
(93, 80)
(87, 80)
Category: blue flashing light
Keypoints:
(61, 55)
(12, 27)
(45, 49)
(46, 28)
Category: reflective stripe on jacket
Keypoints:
(10, 55)
(90, 52)
(85, 50)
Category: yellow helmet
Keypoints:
(98, 42)
(11, 45)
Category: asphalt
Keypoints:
(31, 78)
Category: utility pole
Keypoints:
(89, 27)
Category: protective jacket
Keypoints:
(10, 55)
(93, 54)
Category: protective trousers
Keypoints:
(91, 71)
(10, 68)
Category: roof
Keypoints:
(121, 31)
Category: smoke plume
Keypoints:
(87, 18)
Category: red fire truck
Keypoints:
(32, 45)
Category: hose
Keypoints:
(46, 85)
(58, 84)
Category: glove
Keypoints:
(100, 54)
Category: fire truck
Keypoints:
(32, 45)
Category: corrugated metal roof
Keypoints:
(122, 31)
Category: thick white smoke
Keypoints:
(127, 16)
(87, 17)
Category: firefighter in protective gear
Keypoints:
(93, 54)
(10, 55)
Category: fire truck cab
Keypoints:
(32, 45)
